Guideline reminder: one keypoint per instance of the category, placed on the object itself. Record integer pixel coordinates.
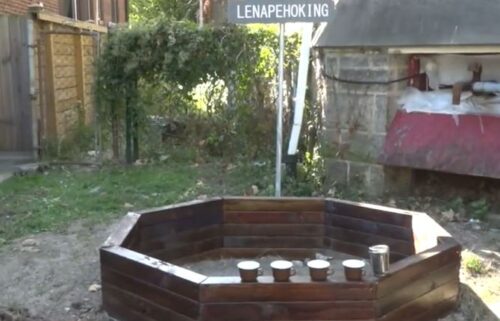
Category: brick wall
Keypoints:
(107, 11)
(20, 7)
(356, 117)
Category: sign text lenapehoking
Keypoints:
(269, 11)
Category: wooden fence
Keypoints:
(46, 79)
(15, 102)
(66, 55)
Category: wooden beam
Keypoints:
(123, 230)
(302, 204)
(50, 123)
(370, 227)
(419, 308)
(300, 288)
(152, 271)
(371, 212)
(413, 290)
(166, 298)
(80, 76)
(288, 311)
(273, 230)
(445, 50)
(129, 306)
(415, 267)
(48, 17)
(270, 217)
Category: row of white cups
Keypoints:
(319, 269)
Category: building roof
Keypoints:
(412, 23)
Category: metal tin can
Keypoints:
(379, 256)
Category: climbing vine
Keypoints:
(180, 56)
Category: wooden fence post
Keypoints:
(50, 103)
(80, 76)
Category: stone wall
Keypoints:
(356, 117)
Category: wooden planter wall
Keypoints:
(139, 283)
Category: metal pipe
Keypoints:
(486, 87)
(279, 117)
(201, 14)
(97, 124)
(300, 95)
(31, 54)
(75, 10)
(97, 18)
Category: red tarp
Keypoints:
(462, 144)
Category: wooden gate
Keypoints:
(15, 103)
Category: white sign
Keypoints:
(269, 11)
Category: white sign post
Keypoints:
(279, 117)
(279, 11)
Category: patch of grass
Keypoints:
(479, 209)
(473, 263)
(51, 201)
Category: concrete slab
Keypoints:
(5, 176)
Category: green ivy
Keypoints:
(181, 56)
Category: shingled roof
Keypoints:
(412, 23)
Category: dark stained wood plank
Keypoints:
(268, 217)
(231, 289)
(411, 291)
(214, 254)
(249, 253)
(426, 232)
(169, 239)
(181, 211)
(129, 306)
(370, 227)
(272, 242)
(118, 310)
(162, 297)
(179, 250)
(273, 230)
(123, 233)
(191, 222)
(287, 311)
(8, 140)
(369, 212)
(274, 204)
(367, 239)
(153, 271)
(24, 109)
(439, 310)
(357, 249)
(337, 278)
(423, 304)
(290, 254)
(414, 267)
(346, 247)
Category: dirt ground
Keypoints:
(228, 266)
(49, 276)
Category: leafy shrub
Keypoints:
(156, 70)
(473, 263)
(479, 209)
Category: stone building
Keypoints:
(368, 45)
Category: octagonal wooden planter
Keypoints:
(139, 283)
